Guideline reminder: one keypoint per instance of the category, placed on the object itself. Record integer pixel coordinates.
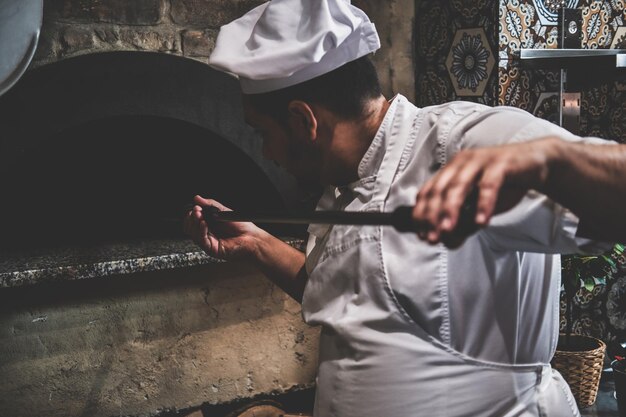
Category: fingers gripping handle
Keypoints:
(403, 217)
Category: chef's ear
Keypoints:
(303, 118)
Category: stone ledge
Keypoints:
(22, 268)
(138, 345)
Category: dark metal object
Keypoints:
(571, 58)
(400, 218)
(619, 374)
(570, 112)
(574, 64)
(570, 28)
(20, 23)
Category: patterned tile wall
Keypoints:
(531, 24)
(464, 52)
(456, 51)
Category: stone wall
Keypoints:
(142, 343)
(189, 27)
(456, 51)
(181, 27)
(395, 61)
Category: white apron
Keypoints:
(375, 360)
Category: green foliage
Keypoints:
(588, 272)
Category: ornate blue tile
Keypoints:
(616, 300)
(619, 39)
(547, 107)
(470, 62)
(548, 9)
(516, 25)
(597, 31)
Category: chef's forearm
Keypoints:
(282, 264)
(590, 180)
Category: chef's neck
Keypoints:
(350, 139)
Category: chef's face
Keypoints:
(287, 145)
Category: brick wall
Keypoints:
(180, 27)
(189, 28)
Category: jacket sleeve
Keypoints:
(536, 224)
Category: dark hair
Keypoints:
(344, 91)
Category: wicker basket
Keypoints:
(581, 366)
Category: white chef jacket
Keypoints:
(410, 329)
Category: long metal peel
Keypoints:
(400, 218)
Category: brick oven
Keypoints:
(105, 308)
(121, 144)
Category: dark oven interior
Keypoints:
(114, 146)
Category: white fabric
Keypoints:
(410, 329)
(285, 42)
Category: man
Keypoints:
(407, 328)
(586, 178)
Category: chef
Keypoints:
(408, 328)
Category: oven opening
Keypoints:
(113, 147)
(125, 178)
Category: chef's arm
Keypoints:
(281, 263)
(588, 179)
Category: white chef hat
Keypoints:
(285, 42)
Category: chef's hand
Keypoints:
(500, 176)
(224, 240)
